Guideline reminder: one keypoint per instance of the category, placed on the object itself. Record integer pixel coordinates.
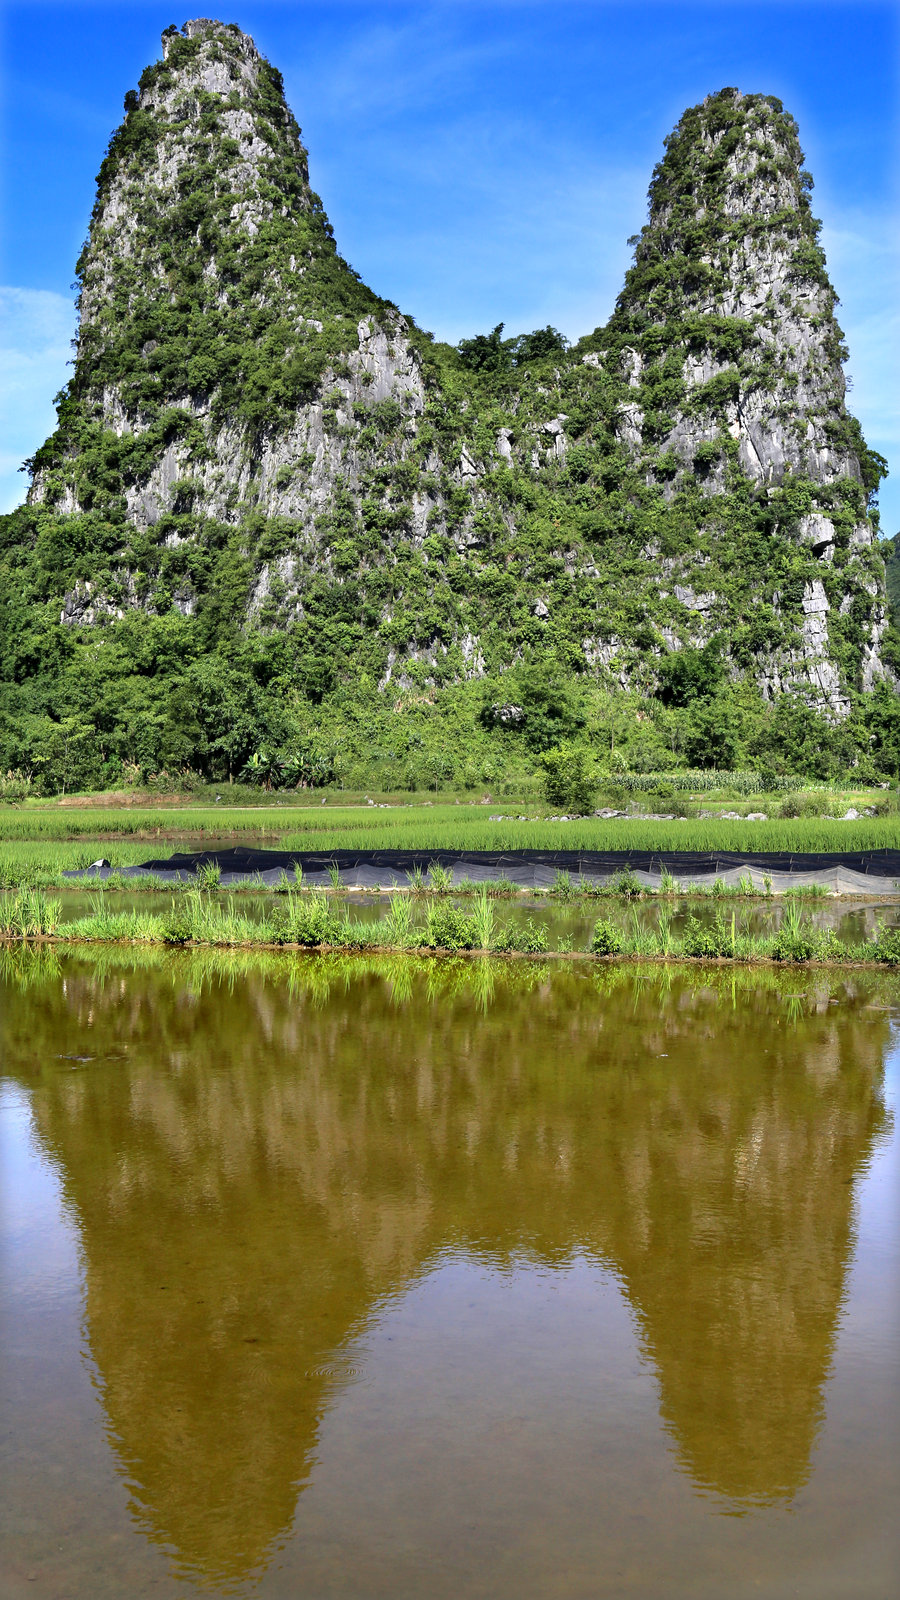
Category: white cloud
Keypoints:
(36, 327)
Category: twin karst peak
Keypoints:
(241, 402)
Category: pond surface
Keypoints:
(358, 1277)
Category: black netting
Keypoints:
(528, 868)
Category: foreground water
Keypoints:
(361, 1277)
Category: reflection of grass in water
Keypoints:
(315, 976)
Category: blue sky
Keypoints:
(480, 162)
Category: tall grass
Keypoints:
(398, 924)
(483, 922)
(31, 914)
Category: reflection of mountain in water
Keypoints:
(254, 1169)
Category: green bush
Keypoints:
(607, 939)
(449, 928)
(887, 947)
(567, 784)
(716, 939)
(806, 805)
(307, 920)
(627, 884)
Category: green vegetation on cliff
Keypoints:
(280, 531)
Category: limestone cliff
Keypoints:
(251, 433)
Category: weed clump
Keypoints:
(607, 939)
(176, 925)
(527, 938)
(886, 947)
(709, 942)
(448, 927)
(307, 919)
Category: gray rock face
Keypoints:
(354, 419)
(763, 388)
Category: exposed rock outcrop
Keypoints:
(242, 401)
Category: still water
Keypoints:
(353, 1277)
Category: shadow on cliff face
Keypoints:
(258, 1153)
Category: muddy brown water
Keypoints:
(362, 1277)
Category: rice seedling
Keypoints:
(108, 926)
(127, 830)
(416, 879)
(396, 927)
(298, 874)
(334, 873)
(483, 922)
(796, 938)
(208, 875)
(641, 941)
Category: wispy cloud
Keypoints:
(36, 327)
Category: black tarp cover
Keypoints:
(527, 868)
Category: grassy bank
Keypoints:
(311, 920)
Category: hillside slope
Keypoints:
(272, 501)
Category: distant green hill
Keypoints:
(281, 529)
